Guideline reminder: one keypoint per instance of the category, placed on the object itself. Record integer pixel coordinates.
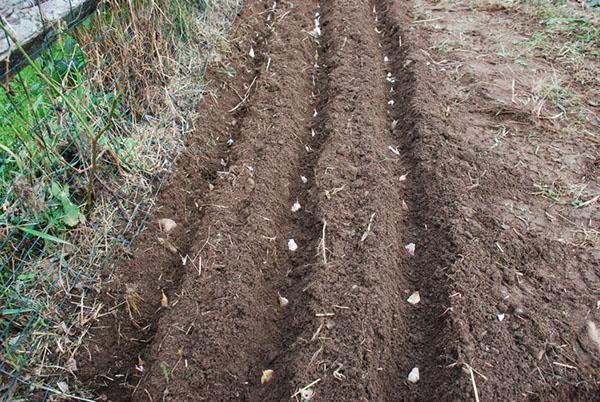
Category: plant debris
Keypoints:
(167, 225)
(167, 245)
(164, 300)
(267, 376)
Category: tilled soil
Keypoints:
(335, 110)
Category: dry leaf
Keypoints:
(71, 364)
(167, 225)
(415, 298)
(410, 247)
(164, 300)
(168, 245)
(267, 376)
(63, 327)
(63, 386)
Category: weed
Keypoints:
(562, 98)
(165, 371)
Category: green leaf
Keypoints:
(55, 189)
(41, 235)
(13, 311)
(72, 214)
(26, 277)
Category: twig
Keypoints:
(565, 365)
(322, 245)
(115, 196)
(324, 314)
(315, 382)
(62, 394)
(428, 20)
(245, 96)
(476, 394)
(364, 236)
(317, 332)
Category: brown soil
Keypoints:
(387, 162)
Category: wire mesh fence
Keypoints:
(91, 119)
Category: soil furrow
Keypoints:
(224, 327)
(301, 264)
(430, 324)
(123, 337)
(357, 286)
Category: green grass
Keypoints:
(561, 97)
(565, 30)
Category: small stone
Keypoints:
(292, 245)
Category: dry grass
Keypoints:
(155, 58)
